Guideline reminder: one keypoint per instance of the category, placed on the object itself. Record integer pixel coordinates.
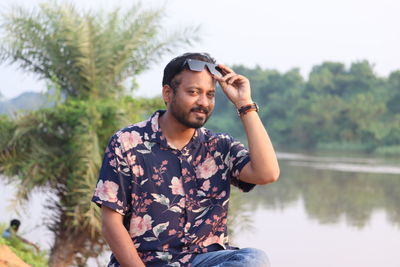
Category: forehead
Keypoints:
(200, 79)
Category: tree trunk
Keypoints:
(67, 244)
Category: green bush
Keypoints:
(24, 251)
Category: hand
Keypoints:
(235, 86)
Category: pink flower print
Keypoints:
(223, 194)
(117, 152)
(198, 222)
(148, 201)
(197, 160)
(113, 163)
(206, 185)
(107, 191)
(212, 239)
(130, 140)
(186, 258)
(207, 169)
(177, 187)
(187, 227)
(137, 170)
(182, 203)
(142, 124)
(172, 232)
(140, 225)
(154, 123)
(131, 158)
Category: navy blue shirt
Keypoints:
(174, 202)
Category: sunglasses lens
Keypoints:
(198, 65)
(213, 70)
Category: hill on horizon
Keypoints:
(24, 102)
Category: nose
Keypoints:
(203, 100)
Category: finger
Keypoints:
(232, 80)
(228, 76)
(224, 78)
(218, 78)
(235, 78)
(225, 68)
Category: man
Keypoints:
(164, 185)
(11, 232)
(13, 229)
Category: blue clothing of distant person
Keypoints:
(7, 233)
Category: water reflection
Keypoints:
(333, 189)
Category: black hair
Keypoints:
(176, 66)
(15, 223)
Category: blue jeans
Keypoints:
(249, 257)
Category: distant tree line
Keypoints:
(335, 108)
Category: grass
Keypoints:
(24, 251)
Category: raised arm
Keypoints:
(263, 167)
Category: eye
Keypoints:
(192, 91)
(211, 94)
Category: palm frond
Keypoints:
(87, 54)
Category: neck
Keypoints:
(177, 135)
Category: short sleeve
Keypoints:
(112, 189)
(239, 157)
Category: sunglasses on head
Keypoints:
(198, 65)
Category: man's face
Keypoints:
(194, 98)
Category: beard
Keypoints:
(184, 117)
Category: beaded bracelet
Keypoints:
(247, 108)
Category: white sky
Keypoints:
(275, 34)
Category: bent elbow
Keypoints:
(276, 175)
(270, 177)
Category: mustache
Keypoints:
(200, 109)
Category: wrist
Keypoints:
(242, 103)
(247, 108)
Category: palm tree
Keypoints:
(87, 57)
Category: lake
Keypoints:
(326, 210)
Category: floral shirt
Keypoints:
(174, 202)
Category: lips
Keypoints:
(200, 110)
(199, 113)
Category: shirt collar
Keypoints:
(154, 134)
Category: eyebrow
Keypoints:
(198, 87)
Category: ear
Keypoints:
(167, 94)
